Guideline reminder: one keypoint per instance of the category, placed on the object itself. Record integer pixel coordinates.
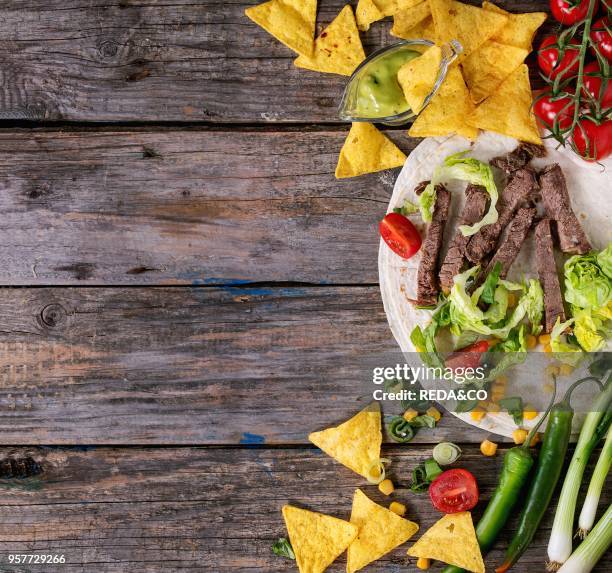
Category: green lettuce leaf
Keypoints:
(589, 330)
(587, 285)
(488, 288)
(604, 260)
(427, 201)
(570, 353)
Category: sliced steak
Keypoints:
(521, 188)
(511, 245)
(558, 206)
(427, 279)
(547, 271)
(518, 158)
(476, 198)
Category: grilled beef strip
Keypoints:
(511, 245)
(555, 196)
(476, 198)
(547, 271)
(427, 278)
(521, 187)
(518, 158)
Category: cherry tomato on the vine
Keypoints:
(602, 37)
(554, 112)
(592, 81)
(400, 235)
(569, 12)
(593, 141)
(550, 62)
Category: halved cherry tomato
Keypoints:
(603, 38)
(453, 491)
(593, 141)
(400, 235)
(468, 357)
(553, 111)
(551, 65)
(592, 81)
(569, 12)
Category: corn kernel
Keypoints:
(535, 440)
(529, 413)
(477, 414)
(397, 508)
(552, 370)
(532, 341)
(544, 339)
(519, 436)
(547, 348)
(566, 369)
(423, 563)
(386, 487)
(488, 448)
(434, 413)
(410, 414)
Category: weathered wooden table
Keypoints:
(187, 290)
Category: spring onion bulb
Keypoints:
(446, 453)
(600, 473)
(376, 473)
(590, 551)
(560, 543)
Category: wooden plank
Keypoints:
(155, 510)
(161, 60)
(189, 365)
(186, 207)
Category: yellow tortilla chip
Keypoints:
(405, 20)
(447, 111)
(417, 77)
(317, 539)
(369, 11)
(292, 22)
(380, 531)
(520, 29)
(485, 69)
(451, 540)
(424, 30)
(508, 110)
(338, 49)
(366, 150)
(355, 443)
(470, 25)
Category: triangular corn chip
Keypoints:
(406, 19)
(417, 77)
(380, 531)
(447, 111)
(485, 69)
(451, 540)
(317, 539)
(366, 13)
(508, 110)
(424, 30)
(355, 443)
(292, 22)
(520, 29)
(338, 49)
(469, 25)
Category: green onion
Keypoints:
(446, 453)
(600, 473)
(378, 476)
(593, 429)
(591, 550)
(283, 548)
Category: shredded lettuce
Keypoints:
(424, 340)
(463, 168)
(514, 350)
(407, 208)
(604, 260)
(589, 330)
(488, 288)
(571, 354)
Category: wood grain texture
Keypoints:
(189, 365)
(158, 510)
(186, 207)
(162, 60)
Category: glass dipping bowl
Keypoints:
(348, 105)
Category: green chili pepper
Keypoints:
(400, 430)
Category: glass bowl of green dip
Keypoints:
(373, 93)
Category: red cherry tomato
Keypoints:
(603, 38)
(453, 491)
(554, 111)
(593, 142)
(400, 235)
(569, 12)
(548, 59)
(468, 357)
(592, 81)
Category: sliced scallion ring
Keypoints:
(446, 453)
(376, 472)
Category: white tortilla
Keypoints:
(589, 186)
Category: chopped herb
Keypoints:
(514, 406)
(283, 548)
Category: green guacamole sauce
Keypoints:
(379, 94)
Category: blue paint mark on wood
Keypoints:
(252, 439)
